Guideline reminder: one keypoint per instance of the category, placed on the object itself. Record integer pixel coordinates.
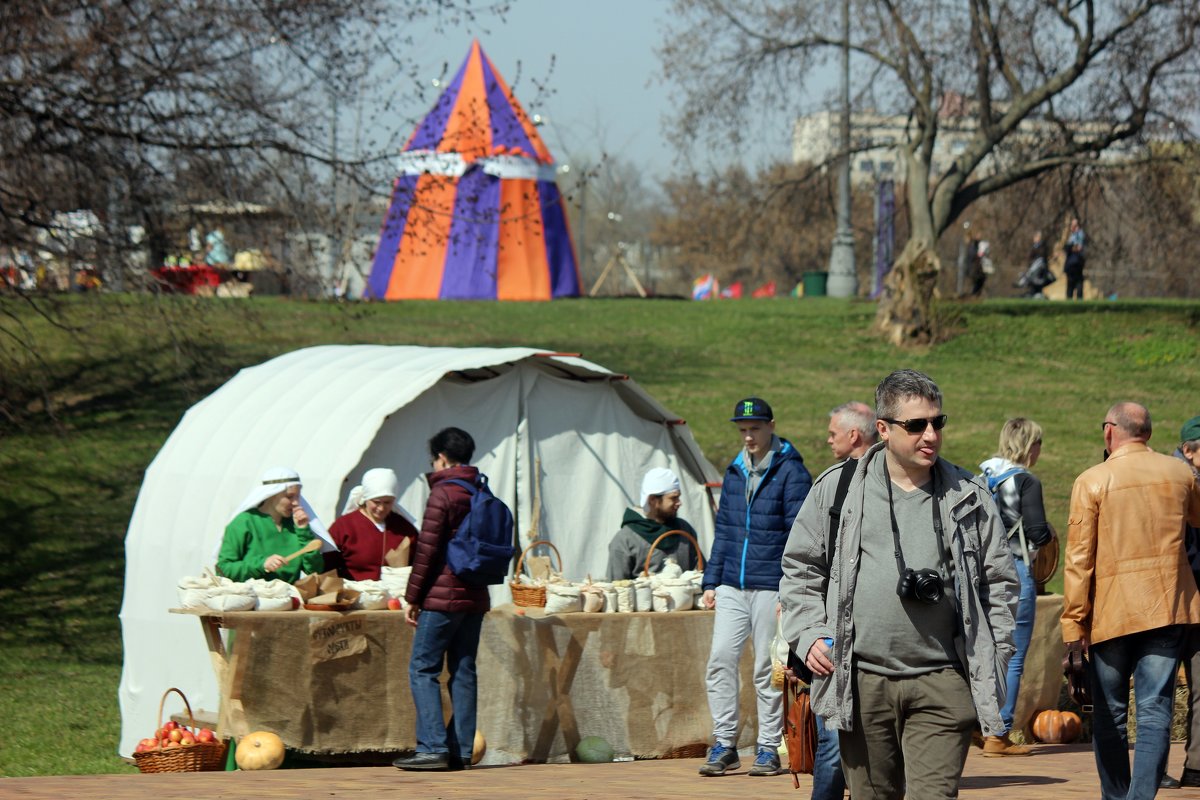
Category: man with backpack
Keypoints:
(447, 597)
(851, 434)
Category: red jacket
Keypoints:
(432, 586)
(362, 546)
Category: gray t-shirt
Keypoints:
(894, 636)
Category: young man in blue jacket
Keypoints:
(763, 490)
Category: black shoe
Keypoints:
(1168, 782)
(427, 761)
(458, 763)
(1190, 778)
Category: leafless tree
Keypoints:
(1034, 86)
(773, 225)
(131, 111)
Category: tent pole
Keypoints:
(603, 275)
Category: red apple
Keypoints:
(171, 744)
(394, 603)
(171, 725)
(295, 603)
(175, 735)
(188, 739)
(161, 733)
(206, 736)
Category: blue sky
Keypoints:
(598, 61)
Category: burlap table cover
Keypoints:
(545, 682)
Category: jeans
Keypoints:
(1151, 659)
(1026, 607)
(453, 637)
(828, 781)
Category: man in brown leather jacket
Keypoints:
(1129, 593)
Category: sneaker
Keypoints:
(720, 758)
(998, 746)
(766, 762)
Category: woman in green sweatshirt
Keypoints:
(271, 524)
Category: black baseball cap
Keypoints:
(752, 408)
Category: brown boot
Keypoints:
(998, 746)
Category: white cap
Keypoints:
(659, 480)
(376, 483)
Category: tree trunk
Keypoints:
(905, 316)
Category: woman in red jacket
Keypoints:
(447, 613)
(369, 528)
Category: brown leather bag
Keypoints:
(799, 729)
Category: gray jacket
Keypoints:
(818, 601)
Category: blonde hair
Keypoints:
(1017, 438)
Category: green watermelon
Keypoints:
(594, 750)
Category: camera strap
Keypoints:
(937, 520)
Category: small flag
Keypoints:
(766, 290)
(704, 288)
(733, 291)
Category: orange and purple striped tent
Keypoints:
(475, 212)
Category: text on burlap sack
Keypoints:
(336, 638)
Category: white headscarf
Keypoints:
(659, 480)
(277, 480)
(376, 483)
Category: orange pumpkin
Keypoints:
(1057, 727)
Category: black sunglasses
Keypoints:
(918, 425)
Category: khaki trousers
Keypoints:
(910, 734)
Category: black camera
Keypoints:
(922, 584)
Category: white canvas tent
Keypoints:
(332, 412)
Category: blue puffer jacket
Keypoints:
(748, 549)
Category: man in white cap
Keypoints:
(660, 500)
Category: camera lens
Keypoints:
(927, 586)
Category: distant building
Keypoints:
(874, 138)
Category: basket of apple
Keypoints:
(179, 748)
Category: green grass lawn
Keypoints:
(131, 365)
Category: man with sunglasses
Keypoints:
(1129, 595)
(904, 613)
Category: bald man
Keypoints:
(1129, 595)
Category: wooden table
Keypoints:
(545, 681)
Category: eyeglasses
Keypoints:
(1105, 424)
(918, 425)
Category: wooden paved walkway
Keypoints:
(1058, 772)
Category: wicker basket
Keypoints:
(199, 757)
(684, 534)
(531, 596)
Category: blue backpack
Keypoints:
(482, 548)
(993, 484)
